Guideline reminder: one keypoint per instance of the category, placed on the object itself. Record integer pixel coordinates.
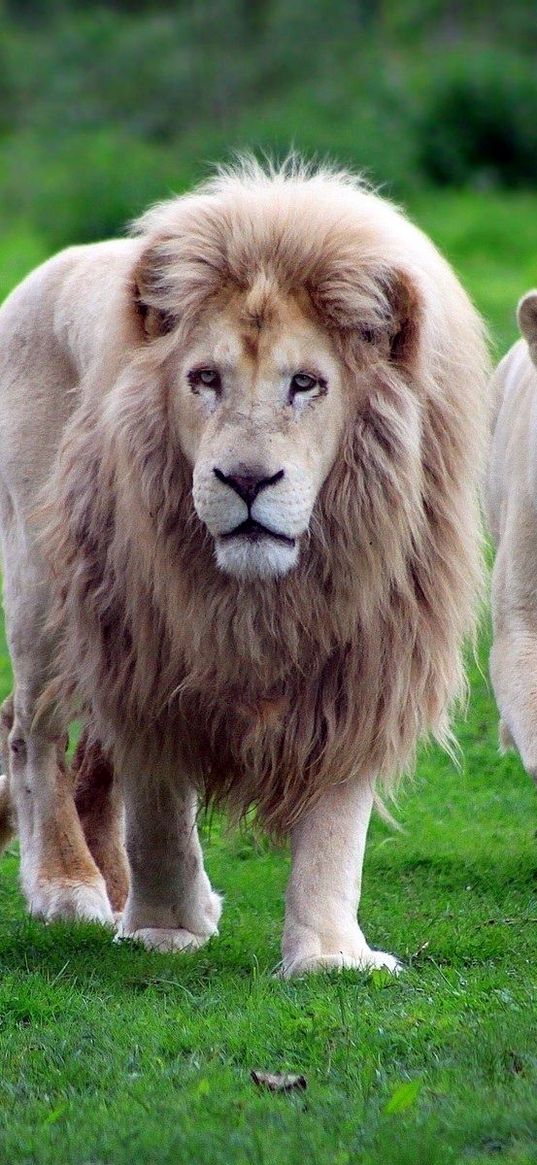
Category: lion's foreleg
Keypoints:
(171, 905)
(513, 670)
(328, 843)
(59, 877)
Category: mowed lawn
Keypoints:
(114, 1055)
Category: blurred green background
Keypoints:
(105, 107)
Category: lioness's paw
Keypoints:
(357, 959)
(161, 938)
(8, 818)
(55, 899)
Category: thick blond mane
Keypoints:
(271, 691)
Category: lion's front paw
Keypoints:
(309, 952)
(162, 938)
(200, 924)
(53, 899)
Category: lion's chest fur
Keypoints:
(244, 749)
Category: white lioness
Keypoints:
(257, 426)
(512, 512)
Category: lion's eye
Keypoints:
(204, 378)
(305, 382)
(301, 382)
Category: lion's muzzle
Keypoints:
(248, 486)
(255, 518)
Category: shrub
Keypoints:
(85, 186)
(478, 120)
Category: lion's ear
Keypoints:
(394, 327)
(527, 321)
(154, 319)
(404, 319)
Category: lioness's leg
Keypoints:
(100, 808)
(170, 905)
(8, 822)
(321, 928)
(513, 670)
(59, 876)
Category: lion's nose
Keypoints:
(247, 484)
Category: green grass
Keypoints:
(21, 249)
(110, 1054)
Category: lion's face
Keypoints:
(260, 414)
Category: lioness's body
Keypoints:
(512, 513)
(258, 431)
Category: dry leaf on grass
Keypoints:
(278, 1082)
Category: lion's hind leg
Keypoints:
(58, 874)
(100, 809)
(98, 805)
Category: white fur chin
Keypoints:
(246, 559)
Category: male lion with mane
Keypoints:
(240, 454)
